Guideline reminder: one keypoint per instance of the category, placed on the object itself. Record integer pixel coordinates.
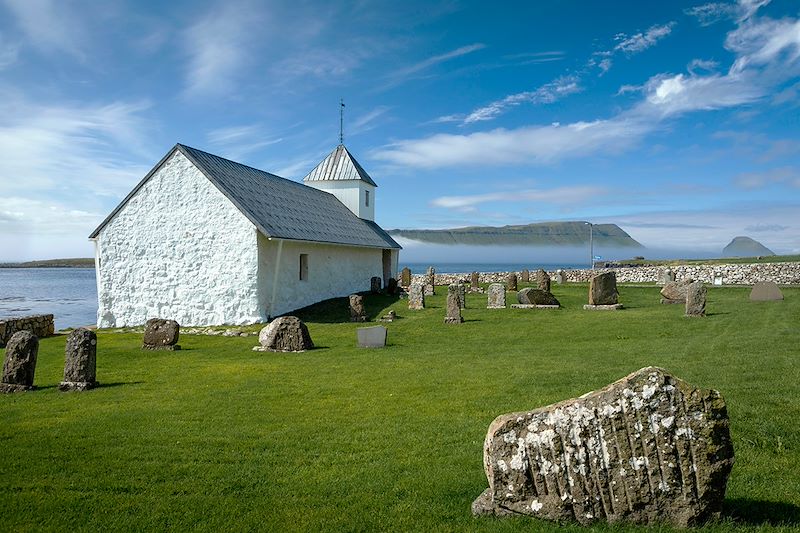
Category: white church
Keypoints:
(206, 241)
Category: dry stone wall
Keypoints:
(39, 325)
(731, 274)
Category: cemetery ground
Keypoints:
(218, 437)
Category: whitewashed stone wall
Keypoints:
(731, 274)
(178, 249)
(333, 271)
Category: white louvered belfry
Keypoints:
(342, 176)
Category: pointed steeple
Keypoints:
(342, 176)
(340, 165)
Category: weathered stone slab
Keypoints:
(543, 280)
(161, 334)
(647, 449)
(696, 299)
(392, 287)
(19, 366)
(611, 307)
(511, 281)
(405, 277)
(559, 277)
(80, 361)
(284, 334)
(536, 297)
(430, 281)
(474, 279)
(765, 291)
(676, 290)
(372, 337)
(497, 296)
(416, 296)
(357, 312)
(534, 306)
(525, 276)
(453, 305)
(375, 285)
(603, 289)
(666, 276)
(462, 295)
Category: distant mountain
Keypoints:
(745, 247)
(81, 262)
(542, 234)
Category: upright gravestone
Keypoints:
(375, 284)
(80, 361)
(497, 296)
(696, 299)
(559, 277)
(511, 281)
(462, 295)
(525, 276)
(765, 291)
(474, 282)
(537, 297)
(648, 449)
(543, 280)
(416, 296)
(357, 312)
(667, 275)
(391, 287)
(161, 334)
(603, 292)
(453, 305)
(430, 281)
(284, 334)
(405, 277)
(20, 362)
(372, 337)
(674, 292)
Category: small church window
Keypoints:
(303, 267)
(366, 198)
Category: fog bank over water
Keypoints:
(418, 252)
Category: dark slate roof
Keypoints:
(278, 207)
(340, 165)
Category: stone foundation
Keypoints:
(39, 325)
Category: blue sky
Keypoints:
(677, 121)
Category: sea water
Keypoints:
(69, 294)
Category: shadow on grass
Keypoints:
(761, 513)
(337, 310)
(117, 384)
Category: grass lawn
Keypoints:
(218, 437)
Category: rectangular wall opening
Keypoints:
(303, 267)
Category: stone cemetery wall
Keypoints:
(39, 325)
(731, 274)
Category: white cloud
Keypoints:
(758, 180)
(8, 53)
(51, 25)
(435, 60)
(365, 122)
(558, 196)
(235, 142)
(711, 13)
(217, 46)
(642, 41)
(546, 94)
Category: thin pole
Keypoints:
(591, 245)
(341, 121)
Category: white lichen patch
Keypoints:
(648, 391)
(667, 421)
(536, 506)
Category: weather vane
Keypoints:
(341, 121)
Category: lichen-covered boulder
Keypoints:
(416, 296)
(357, 312)
(648, 449)
(80, 361)
(676, 290)
(531, 296)
(19, 366)
(285, 334)
(542, 280)
(696, 299)
(161, 334)
(603, 289)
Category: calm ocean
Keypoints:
(68, 293)
(71, 293)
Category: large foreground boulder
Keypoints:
(531, 296)
(603, 289)
(19, 366)
(161, 334)
(649, 449)
(285, 334)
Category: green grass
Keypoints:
(218, 437)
